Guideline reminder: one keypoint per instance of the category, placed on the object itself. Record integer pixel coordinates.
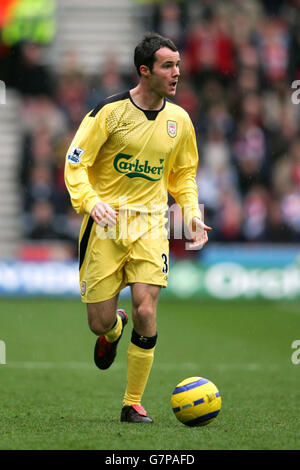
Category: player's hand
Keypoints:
(198, 231)
(104, 215)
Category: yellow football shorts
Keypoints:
(110, 260)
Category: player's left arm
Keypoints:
(183, 187)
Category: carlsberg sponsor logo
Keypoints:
(138, 168)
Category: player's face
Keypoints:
(165, 72)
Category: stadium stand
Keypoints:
(91, 29)
(239, 62)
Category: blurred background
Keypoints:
(240, 66)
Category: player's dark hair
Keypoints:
(144, 53)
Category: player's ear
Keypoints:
(145, 71)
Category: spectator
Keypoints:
(37, 150)
(210, 51)
(169, 20)
(42, 111)
(109, 82)
(255, 210)
(71, 96)
(40, 223)
(294, 49)
(290, 208)
(187, 97)
(230, 217)
(272, 43)
(249, 148)
(31, 77)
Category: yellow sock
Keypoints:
(139, 363)
(115, 332)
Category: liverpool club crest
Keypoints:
(83, 287)
(172, 128)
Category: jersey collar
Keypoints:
(149, 113)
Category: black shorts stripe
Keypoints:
(84, 241)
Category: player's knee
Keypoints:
(99, 326)
(145, 314)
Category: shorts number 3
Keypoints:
(165, 260)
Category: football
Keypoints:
(196, 401)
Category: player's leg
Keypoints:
(102, 315)
(141, 350)
(104, 318)
(101, 279)
(107, 322)
(144, 305)
(147, 272)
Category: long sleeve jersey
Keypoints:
(123, 153)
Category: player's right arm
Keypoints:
(82, 153)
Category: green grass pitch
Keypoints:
(53, 397)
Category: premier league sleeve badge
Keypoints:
(74, 155)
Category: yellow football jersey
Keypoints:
(124, 155)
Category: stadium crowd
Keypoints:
(239, 61)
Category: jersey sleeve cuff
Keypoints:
(89, 206)
(189, 213)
